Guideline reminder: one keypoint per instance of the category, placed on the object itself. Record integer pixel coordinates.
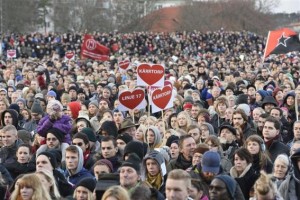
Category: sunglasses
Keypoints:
(78, 144)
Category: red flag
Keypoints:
(282, 41)
(93, 49)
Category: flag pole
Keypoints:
(264, 56)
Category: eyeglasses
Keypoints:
(51, 139)
(78, 144)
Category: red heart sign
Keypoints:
(161, 97)
(132, 99)
(150, 74)
(11, 53)
(124, 64)
(69, 55)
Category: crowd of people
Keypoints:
(233, 131)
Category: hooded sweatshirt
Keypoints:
(157, 138)
(80, 172)
(153, 180)
(14, 115)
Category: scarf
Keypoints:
(154, 181)
(269, 143)
(86, 155)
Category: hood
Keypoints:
(210, 128)
(157, 156)
(157, 136)
(291, 93)
(14, 115)
(269, 100)
(80, 162)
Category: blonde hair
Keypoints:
(90, 194)
(264, 184)
(50, 178)
(117, 192)
(188, 119)
(31, 181)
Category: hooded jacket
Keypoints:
(155, 155)
(14, 115)
(290, 187)
(291, 109)
(157, 138)
(80, 172)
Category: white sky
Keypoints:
(288, 6)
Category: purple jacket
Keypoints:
(64, 124)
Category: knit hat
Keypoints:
(82, 136)
(89, 183)
(60, 135)
(72, 88)
(21, 100)
(51, 93)
(211, 162)
(90, 134)
(187, 106)
(135, 147)
(95, 103)
(14, 107)
(245, 108)
(36, 107)
(75, 107)
(241, 99)
(133, 161)
(80, 90)
(25, 136)
(110, 127)
(230, 184)
(125, 137)
(106, 163)
(39, 95)
(51, 158)
(172, 139)
(229, 127)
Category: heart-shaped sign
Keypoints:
(124, 64)
(150, 74)
(132, 99)
(161, 97)
(11, 53)
(69, 55)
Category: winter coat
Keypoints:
(246, 180)
(8, 154)
(64, 187)
(288, 187)
(155, 155)
(14, 115)
(6, 175)
(62, 148)
(30, 126)
(277, 148)
(80, 172)
(179, 163)
(16, 168)
(216, 122)
(64, 124)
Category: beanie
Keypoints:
(82, 136)
(230, 184)
(172, 139)
(89, 183)
(187, 106)
(51, 93)
(36, 107)
(125, 137)
(241, 99)
(245, 108)
(14, 107)
(51, 158)
(72, 88)
(75, 107)
(135, 147)
(90, 134)
(25, 136)
(211, 162)
(133, 161)
(106, 163)
(95, 103)
(60, 135)
(229, 127)
(110, 127)
(21, 100)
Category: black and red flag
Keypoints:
(93, 49)
(282, 41)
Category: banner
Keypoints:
(93, 49)
(12, 53)
(282, 41)
(70, 55)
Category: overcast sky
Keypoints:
(288, 6)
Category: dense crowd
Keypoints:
(232, 133)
